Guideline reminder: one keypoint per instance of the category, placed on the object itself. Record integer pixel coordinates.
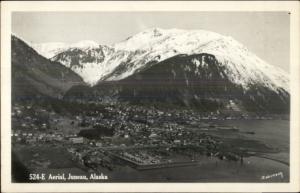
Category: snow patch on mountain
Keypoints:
(92, 63)
(93, 72)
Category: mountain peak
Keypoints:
(156, 32)
(169, 38)
(163, 31)
(50, 49)
(85, 44)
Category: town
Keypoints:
(107, 136)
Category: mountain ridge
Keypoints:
(155, 45)
(34, 76)
(187, 68)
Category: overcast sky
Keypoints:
(264, 33)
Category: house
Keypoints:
(31, 140)
(177, 141)
(76, 140)
(153, 135)
(44, 126)
(59, 138)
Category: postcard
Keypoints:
(154, 96)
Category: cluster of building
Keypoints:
(39, 137)
(132, 126)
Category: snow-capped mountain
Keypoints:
(194, 68)
(199, 81)
(243, 67)
(110, 63)
(51, 49)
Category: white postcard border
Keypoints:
(8, 7)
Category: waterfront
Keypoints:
(273, 132)
(132, 148)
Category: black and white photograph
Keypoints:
(150, 97)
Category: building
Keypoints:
(177, 141)
(76, 140)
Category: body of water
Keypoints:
(274, 133)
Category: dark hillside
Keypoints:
(34, 76)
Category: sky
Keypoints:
(266, 34)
